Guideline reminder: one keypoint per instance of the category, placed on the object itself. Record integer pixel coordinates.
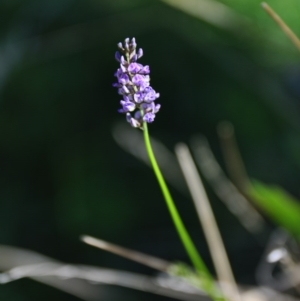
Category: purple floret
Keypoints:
(149, 117)
(135, 68)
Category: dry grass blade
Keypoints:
(147, 260)
(209, 224)
(288, 32)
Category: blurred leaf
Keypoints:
(281, 207)
(182, 270)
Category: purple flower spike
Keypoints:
(134, 85)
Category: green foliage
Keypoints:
(275, 202)
(182, 270)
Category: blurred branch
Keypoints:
(236, 203)
(160, 285)
(288, 32)
(23, 263)
(213, 237)
(80, 280)
(232, 156)
(147, 260)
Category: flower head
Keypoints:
(133, 83)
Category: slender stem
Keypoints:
(289, 33)
(207, 219)
(183, 234)
(147, 260)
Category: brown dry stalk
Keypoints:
(288, 32)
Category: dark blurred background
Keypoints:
(62, 174)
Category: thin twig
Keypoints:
(147, 260)
(288, 32)
(209, 224)
(18, 263)
(76, 275)
(81, 280)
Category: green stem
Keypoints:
(183, 234)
